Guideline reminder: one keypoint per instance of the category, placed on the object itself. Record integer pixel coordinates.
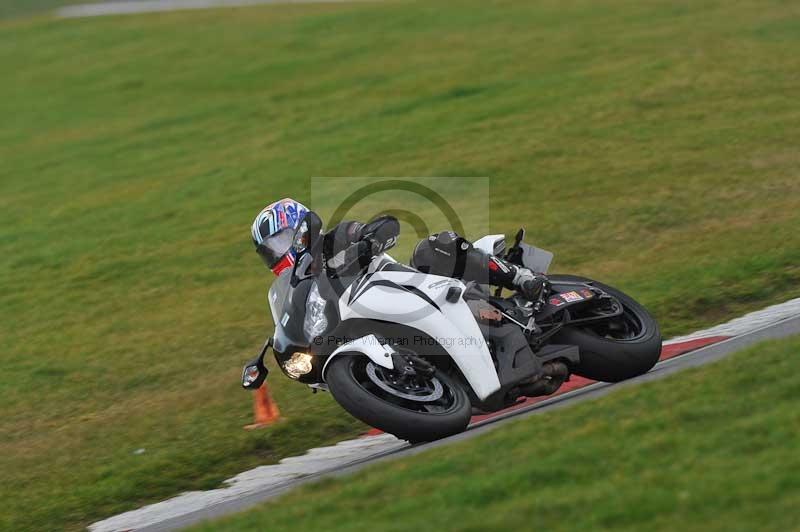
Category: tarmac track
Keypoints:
(135, 7)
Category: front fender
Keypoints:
(419, 301)
(367, 345)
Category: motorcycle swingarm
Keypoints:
(617, 312)
(569, 295)
(570, 353)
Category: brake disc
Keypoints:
(435, 394)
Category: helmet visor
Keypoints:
(273, 248)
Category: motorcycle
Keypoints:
(416, 355)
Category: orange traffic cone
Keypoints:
(264, 408)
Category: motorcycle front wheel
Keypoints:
(414, 409)
(616, 349)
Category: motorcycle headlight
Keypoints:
(299, 364)
(315, 321)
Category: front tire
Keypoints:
(605, 357)
(356, 391)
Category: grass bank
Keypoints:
(713, 448)
(652, 146)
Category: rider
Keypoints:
(446, 253)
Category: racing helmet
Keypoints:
(273, 231)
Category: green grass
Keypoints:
(711, 449)
(650, 145)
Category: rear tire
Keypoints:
(406, 424)
(607, 359)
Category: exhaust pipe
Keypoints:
(553, 376)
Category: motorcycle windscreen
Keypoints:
(286, 304)
(535, 259)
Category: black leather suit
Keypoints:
(353, 244)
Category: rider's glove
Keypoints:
(356, 255)
(381, 233)
(530, 284)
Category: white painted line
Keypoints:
(326, 459)
(255, 480)
(131, 7)
(748, 322)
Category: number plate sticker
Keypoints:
(571, 297)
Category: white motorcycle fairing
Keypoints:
(491, 244)
(368, 345)
(418, 300)
(533, 258)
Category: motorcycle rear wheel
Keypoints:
(361, 391)
(630, 347)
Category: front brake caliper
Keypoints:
(411, 365)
